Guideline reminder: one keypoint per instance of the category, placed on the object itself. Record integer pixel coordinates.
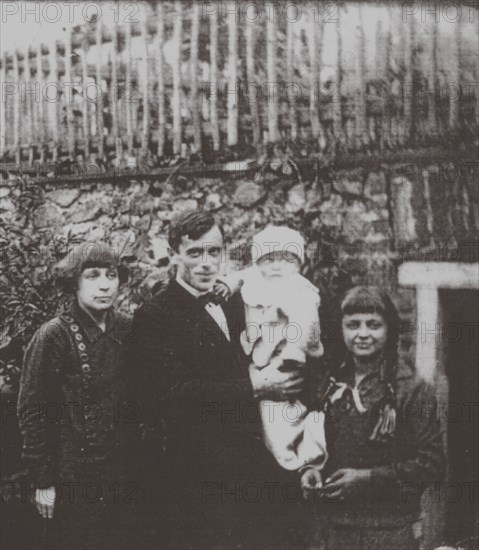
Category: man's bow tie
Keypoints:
(209, 298)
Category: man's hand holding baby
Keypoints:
(271, 383)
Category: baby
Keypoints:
(282, 326)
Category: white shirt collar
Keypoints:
(193, 291)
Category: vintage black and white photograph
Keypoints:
(239, 275)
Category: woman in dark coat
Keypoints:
(72, 408)
(382, 432)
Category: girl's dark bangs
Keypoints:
(100, 255)
(89, 255)
(97, 255)
(100, 263)
(363, 300)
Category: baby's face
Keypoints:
(278, 265)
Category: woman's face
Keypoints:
(365, 334)
(98, 288)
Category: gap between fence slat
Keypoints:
(99, 91)
(160, 38)
(214, 88)
(233, 92)
(195, 107)
(176, 100)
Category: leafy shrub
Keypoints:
(28, 293)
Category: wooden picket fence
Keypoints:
(182, 78)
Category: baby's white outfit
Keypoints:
(282, 324)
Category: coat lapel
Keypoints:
(192, 315)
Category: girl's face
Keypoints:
(365, 334)
(98, 288)
(278, 264)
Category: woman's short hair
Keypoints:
(371, 299)
(86, 255)
(192, 224)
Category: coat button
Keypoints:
(81, 346)
(84, 357)
(78, 337)
(74, 327)
(86, 367)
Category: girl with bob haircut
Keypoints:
(382, 434)
(85, 255)
(72, 405)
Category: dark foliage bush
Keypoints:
(30, 291)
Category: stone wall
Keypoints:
(360, 223)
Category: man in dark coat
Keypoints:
(202, 445)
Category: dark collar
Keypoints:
(181, 302)
(346, 373)
(91, 329)
(182, 298)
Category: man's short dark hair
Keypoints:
(192, 224)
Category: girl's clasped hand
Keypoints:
(343, 484)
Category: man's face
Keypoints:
(98, 288)
(199, 260)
